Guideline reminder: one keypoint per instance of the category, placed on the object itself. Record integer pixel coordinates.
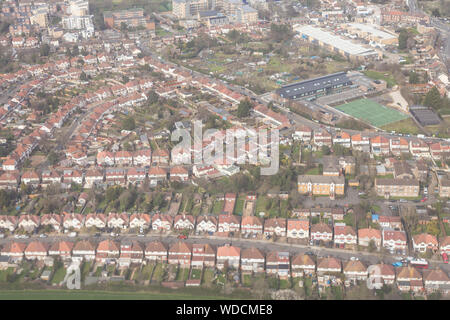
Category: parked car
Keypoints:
(182, 237)
(445, 257)
(397, 264)
(43, 235)
(72, 234)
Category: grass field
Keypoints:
(406, 126)
(98, 295)
(372, 112)
(390, 81)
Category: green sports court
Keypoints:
(371, 112)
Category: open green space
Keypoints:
(98, 295)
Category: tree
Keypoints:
(128, 123)
(413, 77)
(44, 50)
(52, 158)
(433, 99)
(435, 12)
(244, 108)
(403, 39)
(83, 76)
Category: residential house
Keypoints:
(203, 255)
(251, 225)
(298, 229)
(61, 248)
(136, 176)
(252, 260)
(366, 235)
(118, 220)
(344, 236)
(424, 241)
(278, 263)
(8, 222)
(180, 253)
(275, 226)
(355, 270)
(131, 252)
(321, 232)
(409, 279)
(107, 251)
(98, 221)
(229, 256)
(329, 265)
(395, 241)
(73, 221)
(36, 250)
(184, 222)
(156, 251)
(162, 222)
(140, 220)
(436, 280)
(84, 249)
(14, 250)
(206, 224)
(229, 223)
(302, 264)
(29, 223)
(53, 220)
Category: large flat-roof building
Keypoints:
(337, 44)
(370, 33)
(316, 87)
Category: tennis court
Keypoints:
(371, 112)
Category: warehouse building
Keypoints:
(334, 43)
(371, 33)
(313, 87)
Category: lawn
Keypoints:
(285, 284)
(406, 126)
(372, 112)
(158, 273)
(247, 280)
(182, 274)
(196, 274)
(145, 273)
(239, 207)
(99, 295)
(59, 275)
(208, 276)
(261, 204)
(313, 171)
(390, 81)
(218, 207)
(4, 274)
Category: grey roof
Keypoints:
(424, 115)
(397, 182)
(312, 85)
(320, 179)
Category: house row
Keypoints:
(250, 260)
(378, 145)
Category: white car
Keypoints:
(43, 235)
(17, 236)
